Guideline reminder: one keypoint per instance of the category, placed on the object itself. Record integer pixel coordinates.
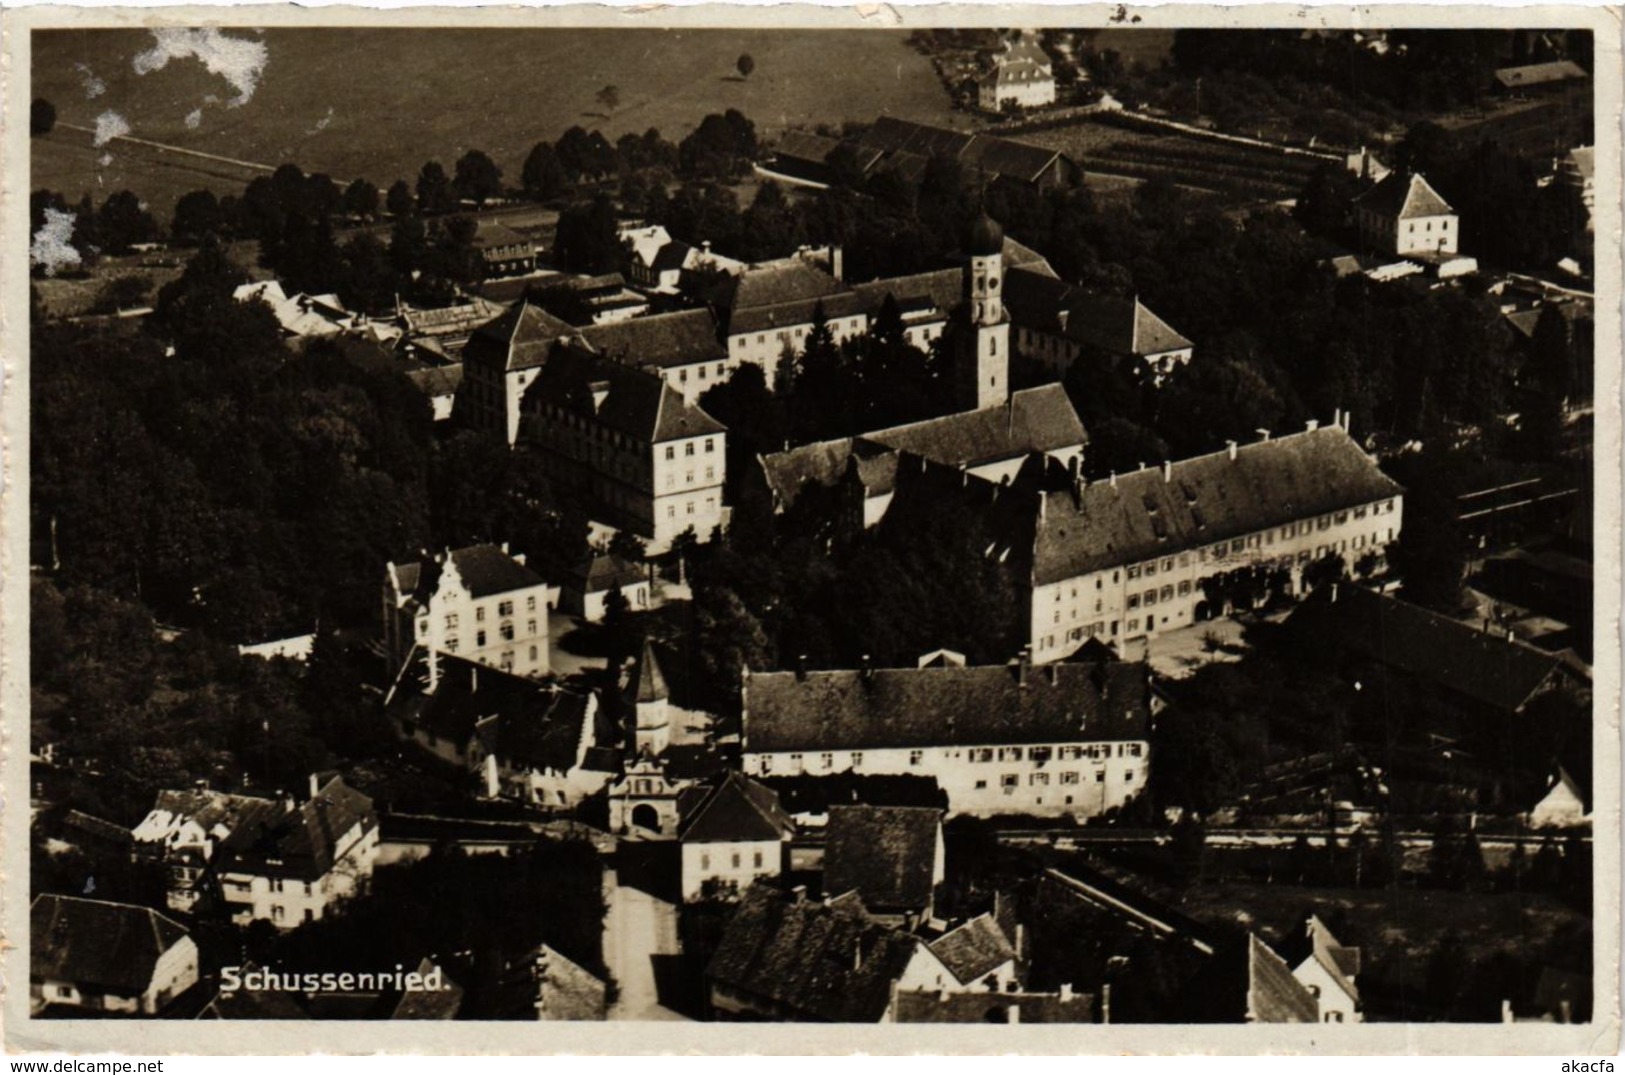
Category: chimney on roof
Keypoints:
(1348, 421)
(1106, 1002)
(1337, 417)
(1054, 671)
(705, 247)
(1263, 435)
(1113, 479)
(799, 893)
(857, 951)
(866, 668)
(1066, 991)
(315, 784)
(1023, 663)
(801, 667)
(1167, 471)
(1334, 593)
(1232, 446)
(1312, 425)
(1012, 1014)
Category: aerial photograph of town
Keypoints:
(999, 525)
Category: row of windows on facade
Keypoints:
(688, 478)
(785, 335)
(979, 755)
(278, 884)
(504, 609)
(505, 661)
(688, 448)
(688, 507)
(737, 860)
(1011, 781)
(1253, 541)
(701, 371)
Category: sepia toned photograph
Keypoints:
(1050, 525)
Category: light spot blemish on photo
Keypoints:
(194, 119)
(94, 87)
(52, 246)
(238, 60)
(110, 125)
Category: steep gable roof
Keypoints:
(634, 402)
(543, 729)
(487, 570)
(886, 853)
(1117, 324)
(1199, 501)
(925, 707)
(303, 842)
(1489, 669)
(934, 1006)
(1404, 195)
(650, 684)
(1316, 942)
(736, 809)
(521, 337)
(826, 964)
(1246, 981)
(97, 944)
(974, 949)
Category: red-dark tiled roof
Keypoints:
(736, 809)
(937, 707)
(97, 945)
(887, 854)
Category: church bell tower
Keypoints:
(983, 359)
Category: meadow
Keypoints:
(377, 103)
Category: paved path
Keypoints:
(637, 927)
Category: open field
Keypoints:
(417, 99)
(1202, 164)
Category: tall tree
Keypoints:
(478, 178)
(433, 189)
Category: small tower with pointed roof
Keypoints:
(652, 728)
(982, 364)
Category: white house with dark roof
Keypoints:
(1020, 74)
(1327, 969)
(979, 954)
(293, 865)
(184, 830)
(106, 957)
(1066, 740)
(1150, 551)
(1404, 215)
(599, 574)
(732, 833)
(1566, 804)
(481, 603)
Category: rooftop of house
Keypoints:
(521, 337)
(1246, 981)
(1087, 526)
(659, 340)
(736, 808)
(887, 854)
(1315, 941)
(1040, 419)
(437, 380)
(217, 813)
(301, 843)
(1402, 196)
(533, 726)
(933, 707)
(98, 945)
(484, 570)
(974, 949)
(828, 963)
(1490, 669)
(565, 990)
(633, 402)
(931, 1006)
(601, 570)
(441, 1003)
(494, 235)
(1117, 324)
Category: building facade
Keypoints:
(1404, 215)
(1068, 740)
(480, 603)
(106, 957)
(295, 866)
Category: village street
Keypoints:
(638, 929)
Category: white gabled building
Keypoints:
(1070, 739)
(480, 603)
(1021, 74)
(1404, 215)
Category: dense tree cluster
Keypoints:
(439, 908)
